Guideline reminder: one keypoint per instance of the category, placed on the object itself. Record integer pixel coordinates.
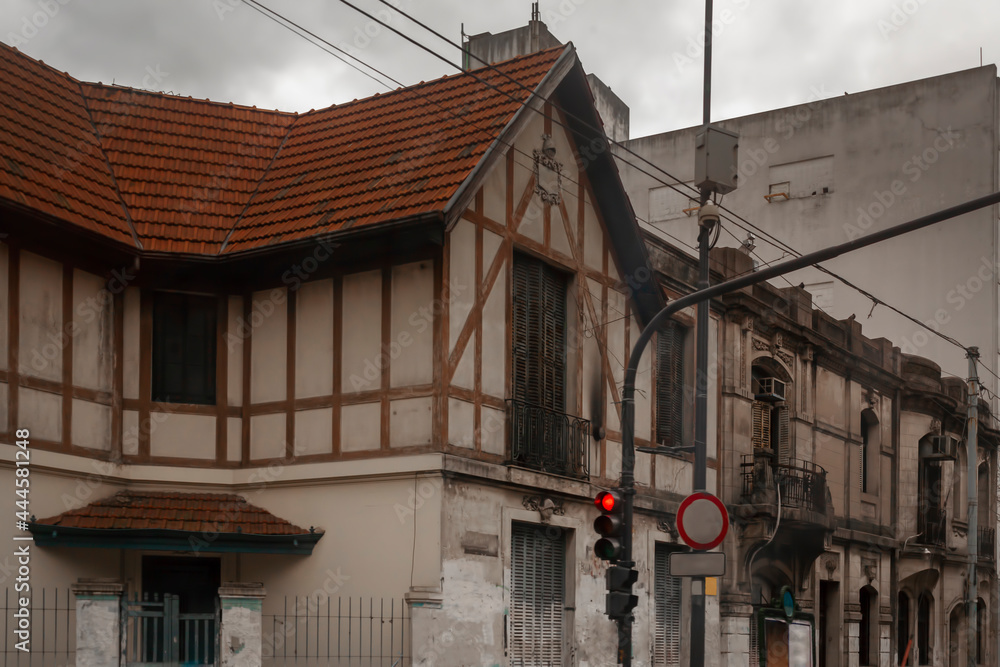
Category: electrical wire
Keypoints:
(770, 238)
(734, 216)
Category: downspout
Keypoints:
(894, 519)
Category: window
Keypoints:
(537, 595)
(980, 628)
(903, 626)
(184, 348)
(869, 455)
(769, 415)
(667, 618)
(924, 630)
(539, 334)
(673, 404)
(868, 630)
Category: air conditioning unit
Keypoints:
(943, 447)
(770, 389)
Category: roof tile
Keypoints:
(192, 173)
(208, 512)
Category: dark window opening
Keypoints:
(903, 625)
(671, 399)
(924, 630)
(867, 648)
(184, 348)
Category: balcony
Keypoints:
(802, 484)
(987, 543)
(548, 440)
(931, 526)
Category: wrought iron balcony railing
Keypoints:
(802, 484)
(548, 440)
(987, 543)
(931, 526)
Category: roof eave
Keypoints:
(465, 193)
(172, 540)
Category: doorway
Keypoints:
(829, 624)
(176, 620)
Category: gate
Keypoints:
(157, 634)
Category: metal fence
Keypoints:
(335, 632)
(52, 628)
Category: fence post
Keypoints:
(98, 622)
(241, 631)
(425, 625)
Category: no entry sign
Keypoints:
(702, 521)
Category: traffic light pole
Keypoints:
(703, 295)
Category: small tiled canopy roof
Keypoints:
(175, 522)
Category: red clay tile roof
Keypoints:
(211, 513)
(193, 176)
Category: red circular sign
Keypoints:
(702, 521)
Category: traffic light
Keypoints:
(620, 602)
(608, 525)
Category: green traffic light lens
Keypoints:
(607, 549)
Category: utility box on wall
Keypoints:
(715, 160)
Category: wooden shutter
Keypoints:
(667, 616)
(784, 435)
(537, 596)
(539, 334)
(761, 426)
(859, 468)
(670, 385)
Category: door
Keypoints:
(176, 620)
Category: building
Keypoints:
(302, 368)
(361, 367)
(841, 166)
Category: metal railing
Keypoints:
(548, 440)
(987, 543)
(931, 526)
(802, 483)
(52, 628)
(313, 631)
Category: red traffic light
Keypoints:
(606, 501)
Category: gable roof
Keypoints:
(173, 174)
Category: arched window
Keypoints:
(870, 442)
(924, 629)
(868, 630)
(980, 629)
(903, 625)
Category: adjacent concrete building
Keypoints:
(843, 165)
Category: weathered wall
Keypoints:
(890, 155)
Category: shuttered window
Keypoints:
(771, 429)
(761, 418)
(670, 384)
(667, 617)
(539, 334)
(784, 443)
(184, 348)
(537, 595)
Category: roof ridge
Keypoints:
(263, 177)
(111, 169)
(186, 98)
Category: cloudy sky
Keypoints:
(768, 54)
